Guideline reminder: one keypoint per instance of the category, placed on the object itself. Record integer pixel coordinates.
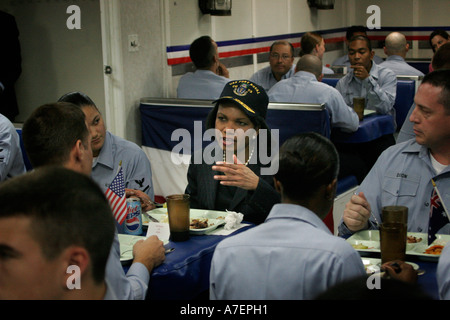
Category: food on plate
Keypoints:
(359, 246)
(436, 249)
(199, 223)
(412, 239)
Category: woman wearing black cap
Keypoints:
(230, 177)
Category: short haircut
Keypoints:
(285, 43)
(306, 162)
(202, 52)
(362, 38)
(441, 59)
(355, 29)
(51, 131)
(310, 63)
(77, 98)
(65, 208)
(438, 32)
(309, 41)
(440, 79)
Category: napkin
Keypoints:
(233, 220)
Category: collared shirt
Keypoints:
(266, 79)
(292, 255)
(303, 87)
(11, 160)
(402, 177)
(130, 286)
(400, 66)
(345, 61)
(202, 85)
(407, 130)
(137, 170)
(443, 274)
(379, 89)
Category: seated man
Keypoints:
(292, 255)
(210, 77)
(11, 159)
(441, 60)
(396, 49)
(54, 223)
(281, 60)
(305, 87)
(57, 134)
(402, 175)
(351, 32)
(378, 86)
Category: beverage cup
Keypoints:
(396, 214)
(178, 206)
(359, 104)
(392, 241)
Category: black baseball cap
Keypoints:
(249, 96)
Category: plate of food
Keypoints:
(201, 221)
(127, 242)
(373, 265)
(126, 246)
(417, 244)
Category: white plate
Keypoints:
(215, 218)
(127, 242)
(371, 238)
(126, 246)
(373, 265)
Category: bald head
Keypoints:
(310, 63)
(395, 44)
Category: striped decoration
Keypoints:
(241, 47)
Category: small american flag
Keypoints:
(116, 197)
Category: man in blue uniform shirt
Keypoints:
(402, 175)
(292, 255)
(211, 76)
(281, 60)
(11, 159)
(396, 47)
(305, 87)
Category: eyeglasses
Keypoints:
(283, 57)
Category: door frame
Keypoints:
(112, 57)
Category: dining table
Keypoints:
(367, 243)
(184, 274)
(371, 127)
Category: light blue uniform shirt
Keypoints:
(303, 87)
(11, 160)
(443, 274)
(136, 166)
(202, 85)
(292, 255)
(379, 89)
(266, 79)
(407, 130)
(402, 177)
(133, 285)
(326, 70)
(345, 61)
(400, 66)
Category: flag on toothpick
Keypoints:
(438, 214)
(116, 197)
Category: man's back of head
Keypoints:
(396, 44)
(52, 131)
(64, 210)
(202, 52)
(441, 59)
(310, 63)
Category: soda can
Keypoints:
(133, 221)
